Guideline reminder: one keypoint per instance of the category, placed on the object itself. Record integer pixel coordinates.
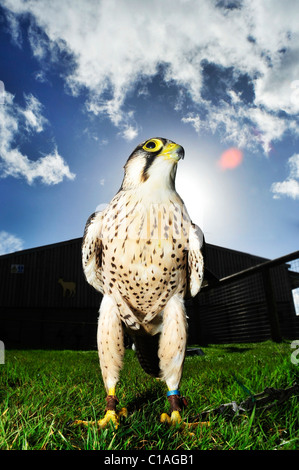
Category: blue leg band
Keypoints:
(173, 392)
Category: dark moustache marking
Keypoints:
(150, 158)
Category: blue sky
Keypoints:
(84, 82)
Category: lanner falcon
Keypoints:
(144, 255)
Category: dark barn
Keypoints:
(46, 303)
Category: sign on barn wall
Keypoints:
(17, 268)
(69, 288)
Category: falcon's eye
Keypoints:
(153, 145)
(150, 145)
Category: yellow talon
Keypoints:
(123, 412)
(164, 418)
(110, 416)
(175, 418)
(113, 416)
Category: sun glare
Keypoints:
(196, 196)
(230, 159)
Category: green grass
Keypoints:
(42, 391)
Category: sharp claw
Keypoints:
(123, 412)
(164, 418)
(110, 416)
(77, 422)
(175, 419)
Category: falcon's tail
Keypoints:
(147, 353)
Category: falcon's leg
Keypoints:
(172, 350)
(111, 352)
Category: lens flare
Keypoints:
(230, 159)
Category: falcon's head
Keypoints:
(153, 161)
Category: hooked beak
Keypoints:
(173, 152)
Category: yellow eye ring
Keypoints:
(153, 145)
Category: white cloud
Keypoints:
(38, 43)
(269, 127)
(40, 76)
(14, 29)
(130, 132)
(9, 243)
(116, 46)
(294, 166)
(193, 119)
(245, 125)
(102, 206)
(14, 122)
(289, 187)
(32, 113)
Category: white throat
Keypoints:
(160, 185)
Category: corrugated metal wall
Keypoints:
(234, 313)
(37, 310)
(224, 262)
(38, 284)
(239, 312)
